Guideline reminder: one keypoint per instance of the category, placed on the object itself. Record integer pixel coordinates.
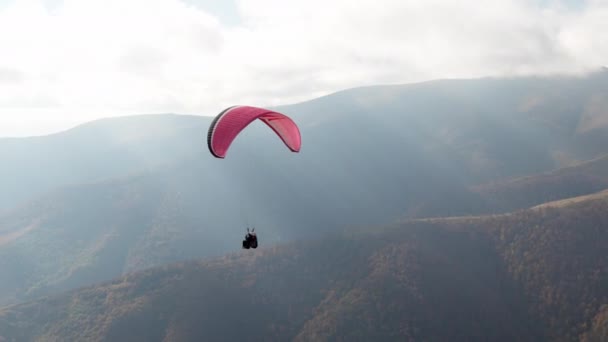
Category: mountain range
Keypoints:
(134, 194)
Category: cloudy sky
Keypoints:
(64, 62)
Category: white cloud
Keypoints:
(88, 58)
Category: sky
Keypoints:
(65, 62)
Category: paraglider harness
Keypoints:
(251, 240)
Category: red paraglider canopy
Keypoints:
(230, 122)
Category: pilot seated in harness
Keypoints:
(251, 240)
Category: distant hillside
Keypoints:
(119, 195)
(88, 233)
(480, 129)
(580, 179)
(95, 151)
(519, 193)
(568, 201)
(536, 275)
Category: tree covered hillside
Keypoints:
(533, 275)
